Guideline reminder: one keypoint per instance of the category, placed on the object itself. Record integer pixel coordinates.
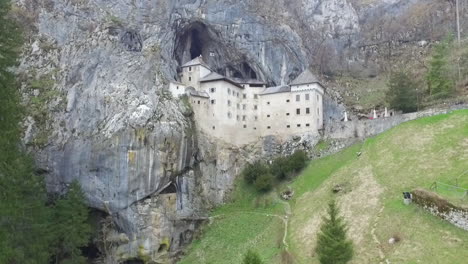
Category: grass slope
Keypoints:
(414, 154)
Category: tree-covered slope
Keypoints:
(414, 154)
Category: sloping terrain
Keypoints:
(414, 154)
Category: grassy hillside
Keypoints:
(414, 154)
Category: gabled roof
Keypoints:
(218, 77)
(276, 89)
(305, 77)
(197, 61)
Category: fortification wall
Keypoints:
(440, 207)
(367, 128)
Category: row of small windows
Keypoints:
(234, 93)
(269, 127)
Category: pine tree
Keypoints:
(438, 77)
(71, 224)
(402, 92)
(24, 218)
(332, 245)
(252, 257)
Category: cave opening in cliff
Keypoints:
(192, 41)
(198, 39)
(171, 188)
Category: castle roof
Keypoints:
(218, 77)
(195, 62)
(248, 81)
(305, 77)
(196, 93)
(276, 89)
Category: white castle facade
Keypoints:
(243, 111)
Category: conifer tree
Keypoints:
(71, 224)
(402, 92)
(252, 257)
(438, 77)
(24, 217)
(333, 247)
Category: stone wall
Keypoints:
(440, 207)
(368, 128)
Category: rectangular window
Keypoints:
(256, 118)
(298, 111)
(212, 90)
(237, 94)
(189, 69)
(198, 102)
(189, 79)
(244, 106)
(238, 117)
(245, 126)
(214, 127)
(229, 91)
(287, 101)
(307, 125)
(307, 97)
(288, 126)
(318, 111)
(255, 96)
(255, 107)
(307, 110)
(287, 114)
(298, 97)
(244, 118)
(298, 125)
(255, 128)
(213, 101)
(268, 115)
(268, 103)
(229, 102)
(268, 127)
(244, 96)
(177, 87)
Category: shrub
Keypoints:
(264, 182)
(252, 257)
(253, 171)
(280, 168)
(297, 161)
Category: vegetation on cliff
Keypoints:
(33, 227)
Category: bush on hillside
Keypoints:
(253, 171)
(280, 168)
(264, 182)
(252, 257)
(297, 161)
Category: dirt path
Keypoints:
(379, 245)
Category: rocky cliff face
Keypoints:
(94, 77)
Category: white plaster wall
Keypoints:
(241, 123)
(283, 113)
(177, 89)
(192, 78)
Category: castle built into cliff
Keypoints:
(243, 111)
